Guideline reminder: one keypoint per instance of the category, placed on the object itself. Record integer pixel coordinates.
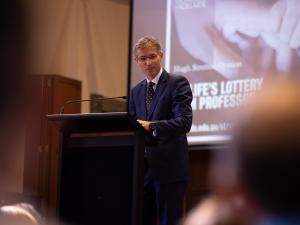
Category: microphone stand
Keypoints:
(62, 108)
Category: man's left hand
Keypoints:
(145, 124)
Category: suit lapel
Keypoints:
(158, 92)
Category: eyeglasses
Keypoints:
(143, 59)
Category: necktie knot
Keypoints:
(151, 84)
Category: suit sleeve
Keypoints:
(181, 122)
(131, 105)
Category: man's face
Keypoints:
(149, 61)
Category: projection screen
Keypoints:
(226, 48)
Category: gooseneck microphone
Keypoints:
(62, 108)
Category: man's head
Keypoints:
(268, 147)
(148, 55)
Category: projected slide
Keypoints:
(226, 48)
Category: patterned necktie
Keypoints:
(149, 96)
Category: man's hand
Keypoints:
(145, 124)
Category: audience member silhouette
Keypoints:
(12, 90)
(267, 148)
(256, 181)
(19, 214)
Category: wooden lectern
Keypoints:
(100, 174)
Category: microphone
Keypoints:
(62, 108)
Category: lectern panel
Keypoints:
(96, 185)
(100, 168)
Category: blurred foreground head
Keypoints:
(267, 143)
(19, 214)
(12, 52)
(12, 63)
(217, 210)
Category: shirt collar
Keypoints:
(156, 79)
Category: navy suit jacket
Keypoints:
(172, 113)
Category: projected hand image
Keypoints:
(284, 32)
(285, 25)
(262, 36)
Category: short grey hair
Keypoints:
(147, 42)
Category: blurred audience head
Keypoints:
(12, 54)
(267, 144)
(259, 174)
(12, 64)
(19, 214)
(217, 210)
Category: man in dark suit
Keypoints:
(162, 105)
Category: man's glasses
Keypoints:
(143, 59)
